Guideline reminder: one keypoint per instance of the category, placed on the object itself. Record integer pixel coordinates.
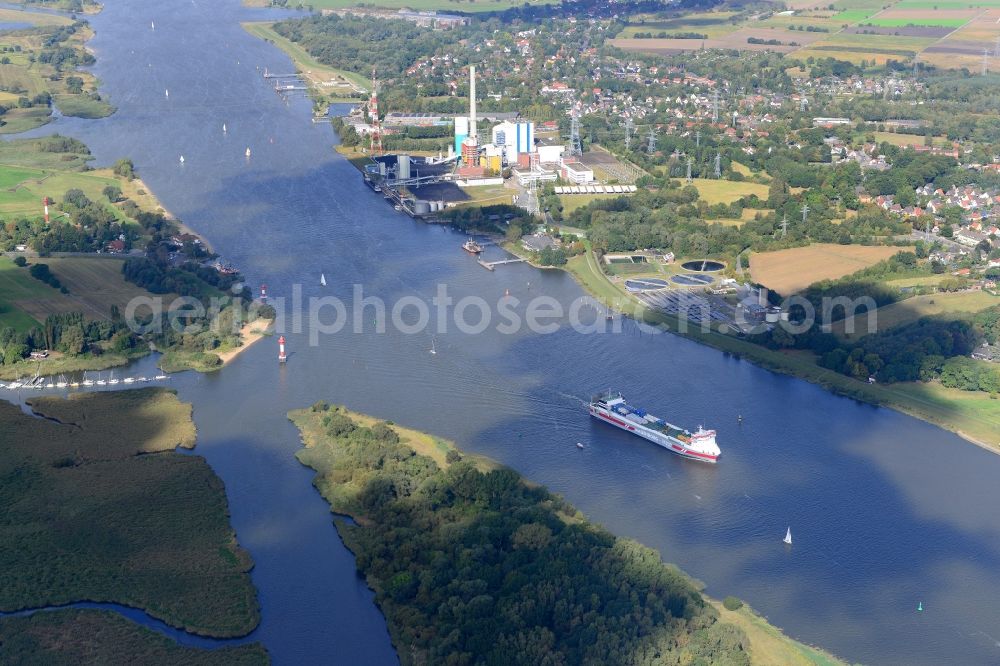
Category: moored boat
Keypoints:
(472, 247)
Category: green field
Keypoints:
(726, 191)
(22, 190)
(32, 154)
(571, 202)
(900, 139)
(929, 21)
(912, 309)
(90, 514)
(16, 285)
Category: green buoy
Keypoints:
(920, 605)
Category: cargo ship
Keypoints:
(699, 445)
(472, 247)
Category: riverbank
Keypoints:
(93, 516)
(971, 415)
(432, 504)
(328, 85)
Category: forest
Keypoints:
(470, 565)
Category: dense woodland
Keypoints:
(476, 567)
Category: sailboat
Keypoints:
(182, 159)
(579, 445)
(788, 537)
(433, 348)
(248, 152)
(322, 279)
(152, 26)
(166, 93)
(224, 130)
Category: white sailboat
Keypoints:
(166, 93)
(224, 130)
(433, 349)
(788, 537)
(322, 279)
(248, 152)
(152, 25)
(182, 159)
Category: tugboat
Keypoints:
(472, 247)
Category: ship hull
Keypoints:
(663, 440)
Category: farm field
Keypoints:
(790, 271)
(964, 47)
(727, 191)
(94, 284)
(912, 309)
(950, 34)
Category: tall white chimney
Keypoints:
(472, 101)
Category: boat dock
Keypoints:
(491, 265)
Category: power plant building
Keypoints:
(461, 131)
(514, 138)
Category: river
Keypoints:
(886, 511)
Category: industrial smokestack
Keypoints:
(472, 101)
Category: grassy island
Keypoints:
(98, 506)
(472, 564)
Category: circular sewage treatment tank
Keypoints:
(689, 280)
(645, 284)
(703, 266)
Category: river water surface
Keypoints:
(886, 511)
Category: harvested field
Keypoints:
(790, 271)
(94, 284)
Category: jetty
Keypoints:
(491, 265)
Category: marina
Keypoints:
(81, 382)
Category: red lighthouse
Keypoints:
(263, 292)
(282, 356)
(45, 206)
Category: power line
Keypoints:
(651, 142)
(718, 165)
